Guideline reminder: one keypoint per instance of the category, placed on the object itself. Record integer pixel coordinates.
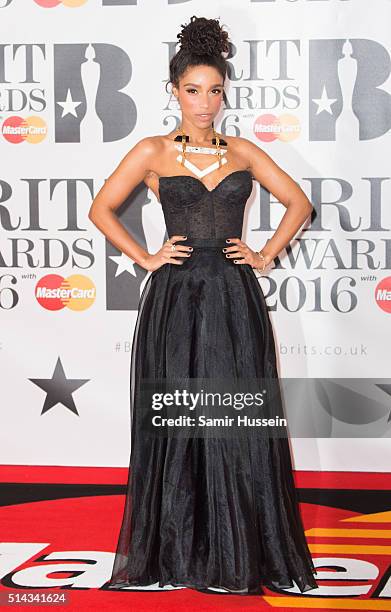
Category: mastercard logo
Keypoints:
(270, 127)
(383, 294)
(54, 292)
(53, 3)
(31, 129)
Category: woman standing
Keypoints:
(205, 512)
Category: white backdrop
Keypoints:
(80, 84)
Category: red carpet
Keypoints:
(59, 527)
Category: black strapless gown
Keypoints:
(210, 512)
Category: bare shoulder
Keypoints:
(148, 146)
(141, 159)
(246, 149)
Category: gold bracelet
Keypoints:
(263, 258)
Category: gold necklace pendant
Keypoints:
(194, 149)
(200, 149)
(200, 172)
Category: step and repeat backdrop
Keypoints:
(81, 81)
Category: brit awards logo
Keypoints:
(348, 101)
(348, 98)
(88, 87)
(89, 100)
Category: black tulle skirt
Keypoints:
(208, 512)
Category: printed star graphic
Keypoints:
(324, 102)
(59, 389)
(69, 106)
(124, 264)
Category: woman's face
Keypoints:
(200, 94)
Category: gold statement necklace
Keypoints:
(217, 149)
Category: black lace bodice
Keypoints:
(191, 209)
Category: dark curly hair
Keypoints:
(202, 42)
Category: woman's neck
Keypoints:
(198, 136)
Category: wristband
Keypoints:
(263, 259)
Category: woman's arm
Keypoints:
(132, 169)
(285, 189)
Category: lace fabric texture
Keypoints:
(202, 513)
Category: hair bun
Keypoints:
(203, 37)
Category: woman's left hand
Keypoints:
(240, 253)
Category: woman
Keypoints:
(206, 512)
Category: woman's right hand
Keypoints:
(166, 255)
